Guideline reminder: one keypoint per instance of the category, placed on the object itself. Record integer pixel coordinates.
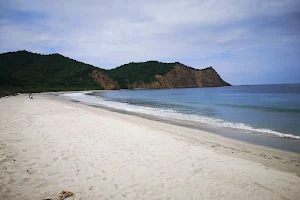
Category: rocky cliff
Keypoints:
(182, 76)
(24, 71)
(105, 81)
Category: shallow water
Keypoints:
(252, 113)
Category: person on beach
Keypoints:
(30, 96)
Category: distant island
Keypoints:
(23, 71)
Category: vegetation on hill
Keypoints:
(138, 72)
(23, 71)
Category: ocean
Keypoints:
(267, 115)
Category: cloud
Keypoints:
(233, 36)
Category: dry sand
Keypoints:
(47, 145)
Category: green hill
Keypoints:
(24, 71)
(138, 72)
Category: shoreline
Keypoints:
(215, 141)
(49, 144)
(266, 140)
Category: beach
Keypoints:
(49, 144)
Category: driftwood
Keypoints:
(63, 195)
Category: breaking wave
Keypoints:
(168, 113)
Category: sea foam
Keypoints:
(167, 113)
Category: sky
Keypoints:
(247, 42)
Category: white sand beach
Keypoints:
(48, 145)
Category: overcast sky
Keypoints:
(247, 42)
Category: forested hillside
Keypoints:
(23, 71)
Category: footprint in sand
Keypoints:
(116, 186)
(30, 171)
(66, 158)
(10, 181)
(78, 172)
(4, 160)
(91, 188)
(25, 180)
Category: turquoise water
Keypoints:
(266, 110)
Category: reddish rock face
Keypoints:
(184, 77)
(105, 81)
(180, 76)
